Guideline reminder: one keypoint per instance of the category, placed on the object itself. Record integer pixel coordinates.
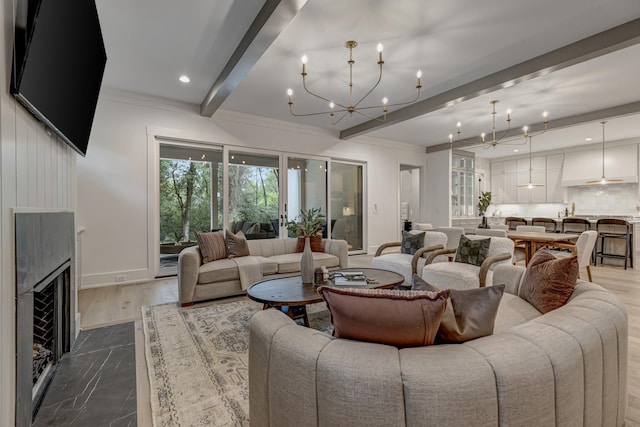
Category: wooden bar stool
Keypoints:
(617, 229)
(514, 221)
(548, 223)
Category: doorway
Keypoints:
(410, 202)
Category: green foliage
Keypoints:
(253, 193)
(185, 199)
(309, 223)
(484, 201)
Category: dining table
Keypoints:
(533, 240)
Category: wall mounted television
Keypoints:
(58, 64)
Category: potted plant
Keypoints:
(483, 203)
(309, 223)
(308, 227)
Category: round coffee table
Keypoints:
(291, 292)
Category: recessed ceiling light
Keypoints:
(516, 150)
(184, 79)
(588, 139)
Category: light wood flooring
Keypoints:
(118, 304)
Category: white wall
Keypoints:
(113, 179)
(438, 188)
(36, 171)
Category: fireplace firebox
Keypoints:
(45, 307)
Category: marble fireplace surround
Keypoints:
(44, 248)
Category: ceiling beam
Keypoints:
(603, 43)
(563, 122)
(272, 19)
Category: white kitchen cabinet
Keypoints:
(555, 191)
(620, 162)
(508, 174)
(535, 194)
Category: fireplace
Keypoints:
(45, 308)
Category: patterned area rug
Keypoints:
(197, 360)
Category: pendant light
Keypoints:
(603, 180)
(530, 185)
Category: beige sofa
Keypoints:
(564, 368)
(273, 258)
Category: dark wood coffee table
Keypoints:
(295, 295)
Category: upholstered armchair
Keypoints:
(408, 264)
(468, 271)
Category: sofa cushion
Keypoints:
(237, 244)
(473, 251)
(453, 275)
(385, 316)
(549, 281)
(315, 241)
(470, 313)
(290, 263)
(212, 246)
(218, 271)
(411, 242)
(268, 265)
(513, 311)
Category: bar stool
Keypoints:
(619, 229)
(577, 226)
(548, 223)
(514, 221)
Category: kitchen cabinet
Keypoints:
(620, 162)
(555, 191)
(506, 175)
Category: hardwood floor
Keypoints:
(119, 304)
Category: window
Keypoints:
(462, 184)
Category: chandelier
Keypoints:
(342, 109)
(504, 137)
(603, 180)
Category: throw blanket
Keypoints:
(249, 269)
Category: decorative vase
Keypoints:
(306, 262)
(483, 224)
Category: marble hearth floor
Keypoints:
(95, 384)
(118, 304)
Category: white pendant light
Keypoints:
(530, 185)
(603, 180)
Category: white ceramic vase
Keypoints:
(306, 262)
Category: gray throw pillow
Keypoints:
(470, 313)
(411, 242)
(472, 252)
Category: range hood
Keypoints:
(620, 162)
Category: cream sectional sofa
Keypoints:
(564, 368)
(273, 258)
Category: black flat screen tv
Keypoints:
(59, 61)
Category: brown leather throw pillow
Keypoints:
(385, 316)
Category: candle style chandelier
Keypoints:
(343, 109)
(504, 137)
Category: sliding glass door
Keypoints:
(190, 198)
(306, 187)
(254, 194)
(347, 189)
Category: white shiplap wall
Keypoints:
(37, 171)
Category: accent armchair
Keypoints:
(461, 275)
(408, 264)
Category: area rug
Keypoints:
(197, 361)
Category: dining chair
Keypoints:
(520, 249)
(583, 249)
